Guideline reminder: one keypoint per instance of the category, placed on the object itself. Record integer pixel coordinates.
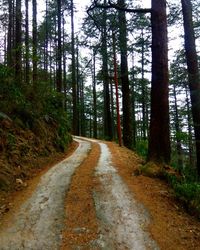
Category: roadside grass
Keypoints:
(184, 181)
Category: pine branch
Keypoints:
(111, 5)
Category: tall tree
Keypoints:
(104, 51)
(94, 96)
(126, 97)
(10, 35)
(59, 50)
(74, 83)
(193, 73)
(27, 56)
(159, 139)
(18, 43)
(34, 42)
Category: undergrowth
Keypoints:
(28, 106)
(187, 189)
(185, 184)
(33, 124)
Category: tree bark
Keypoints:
(126, 97)
(27, 56)
(10, 35)
(178, 130)
(34, 43)
(159, 138)
(94, 98)
(59, 50)
(193, 73)
(18, 43)
(107, 113)
(119, 133)
(74, 83)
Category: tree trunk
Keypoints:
(189, 121)
(74, 83)
(178, 130)
(59, 50)
(144, 94)
(107, 113)
(159, 138)
(34, 43)
(119, 133)
(94, 98)
(64, 65)
(126, 97)
(193, 73)
(46, 42)
(132, 88)
(10, 35)
(27, 56)
(18, 43)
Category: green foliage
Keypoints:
(187, 189)
(142, 147)
(28, 106)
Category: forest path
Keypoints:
(88, 201)
(40, 221)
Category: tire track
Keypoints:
(40, 221)
(122, 219)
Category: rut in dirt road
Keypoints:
(120, 221)
(39, 223)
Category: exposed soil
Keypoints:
(39, 222)
(170, 226)
(95, 216)
(11, 199)
(81, 225)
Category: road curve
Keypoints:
(39, 223)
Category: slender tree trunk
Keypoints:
(193, 73)
(133, 105)
(178, 130)
(82, 109)
(94, 98)
(64, 65)
(119, 133)
(126, 97)
(59, 50)
(27, 56)
(159, 138)
(189, 120)
(144, 95)
(107, 113)
(10, 35)
(34, 43)
(74, 83)
(46, 42)
(79, 89)
(18, 43)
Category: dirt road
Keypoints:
(87, 201)
(40, 221)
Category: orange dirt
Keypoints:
(81, 225)
(171, 227)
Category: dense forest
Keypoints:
(120, 77)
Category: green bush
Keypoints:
(187, 190)
(142, 148)
(28, 105)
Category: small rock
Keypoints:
(19, 181)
